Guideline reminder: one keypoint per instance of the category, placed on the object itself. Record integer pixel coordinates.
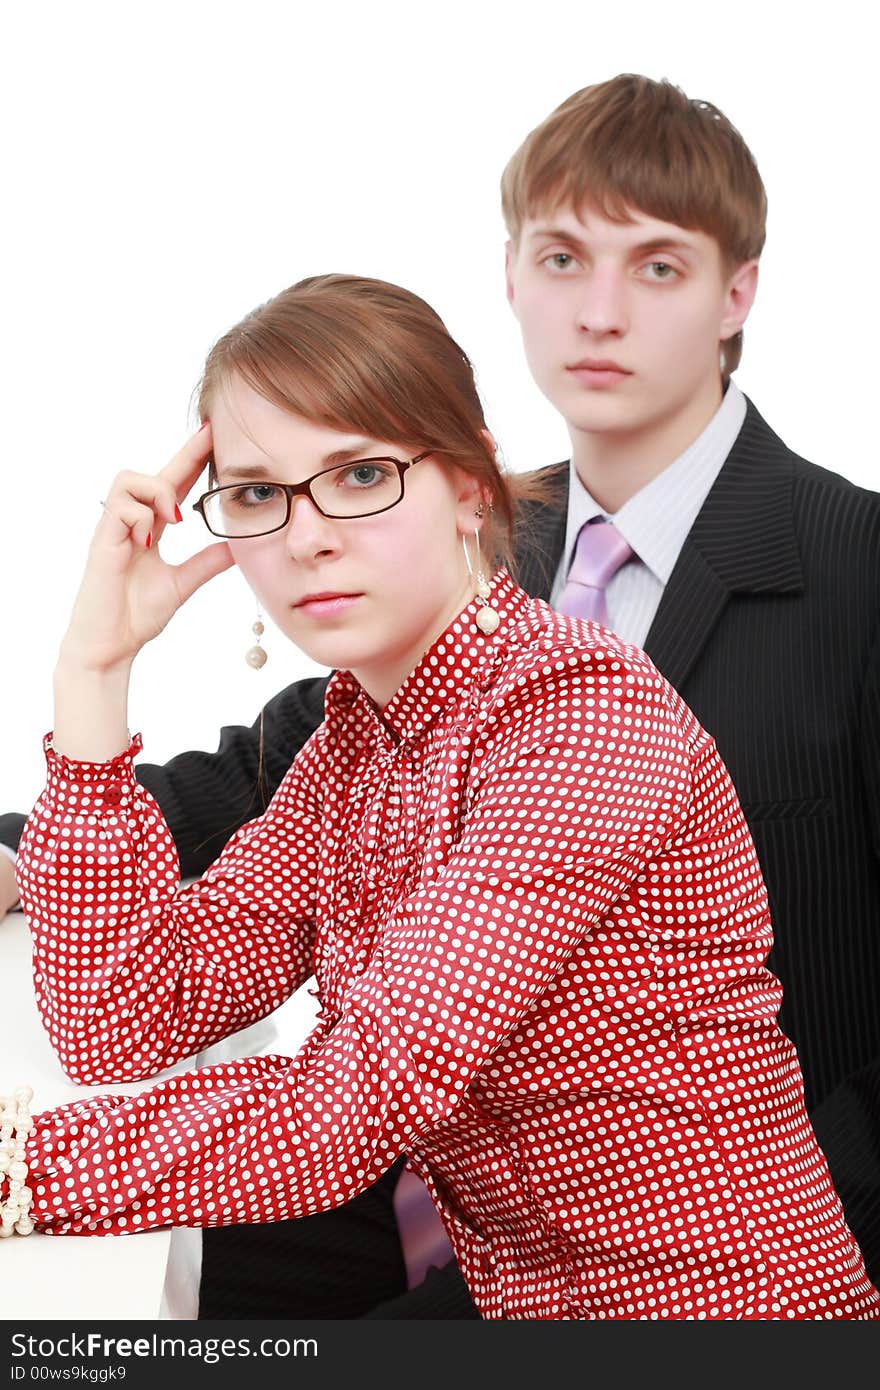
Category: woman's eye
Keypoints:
(363, 475)
(253, 494)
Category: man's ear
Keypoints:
(509, 258)
(741, 290)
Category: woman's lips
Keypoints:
(326, 605)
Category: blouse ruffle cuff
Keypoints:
(110, 781)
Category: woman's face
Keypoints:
(397, 579)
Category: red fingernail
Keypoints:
(149, 539)
(177, 513)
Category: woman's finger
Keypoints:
(126, 518)
(190, 462)
(198, 569)
(161, 491)
(147, 489)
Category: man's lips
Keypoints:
(598, 373)
(598, 364)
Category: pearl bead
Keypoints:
(256, 658)
(487, 620)
(15, 1197)
(258, 629)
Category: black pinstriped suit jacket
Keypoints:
(770, 629)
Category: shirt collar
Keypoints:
(656, 520)
(460, 654)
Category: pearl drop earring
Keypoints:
(488, 618)
(255, 656)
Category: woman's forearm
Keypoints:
(131, 975)
(91, 710)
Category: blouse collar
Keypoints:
(460, 654)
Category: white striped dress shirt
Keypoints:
(655, 521)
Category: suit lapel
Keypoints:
(742, 542)
(692, 603)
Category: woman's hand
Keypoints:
(127, 595)
(128, 592)
(8, 886)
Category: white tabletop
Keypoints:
(83, 1277)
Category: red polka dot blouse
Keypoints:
(539, 932)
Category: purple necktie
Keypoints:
(422, 1235)
(599, 554)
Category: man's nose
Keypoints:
(602, 307)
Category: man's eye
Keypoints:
(661, 270)
(560, 260)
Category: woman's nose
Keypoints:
(309, 532)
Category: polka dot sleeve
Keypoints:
(131, 972)
(455, 969)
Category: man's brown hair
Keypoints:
(635, 144)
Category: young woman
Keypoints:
(510, 855)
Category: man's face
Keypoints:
(622, 321)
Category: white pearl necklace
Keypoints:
(15, 1126)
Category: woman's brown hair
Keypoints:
(359, 354)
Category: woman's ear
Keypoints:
(491, 441)
(472, 502)
(475, 494)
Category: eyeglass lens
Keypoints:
(354, 489)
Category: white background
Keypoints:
(169, 166)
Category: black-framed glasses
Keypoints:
(363, 487)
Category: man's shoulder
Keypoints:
(810, 480)
(765, 487)
(814, 481)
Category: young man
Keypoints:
(636, 219)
